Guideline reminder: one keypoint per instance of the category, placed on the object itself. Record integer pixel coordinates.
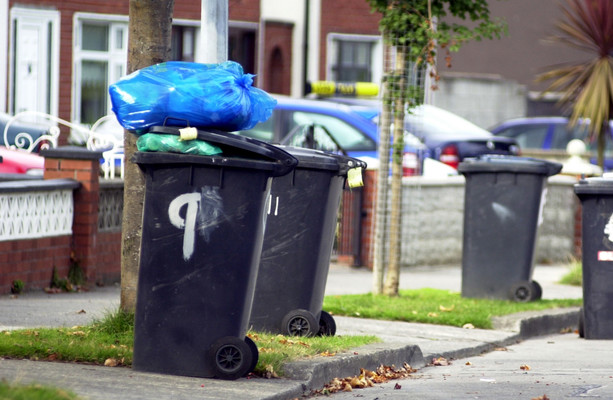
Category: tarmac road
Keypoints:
(559, 366)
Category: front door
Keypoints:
(34, 70)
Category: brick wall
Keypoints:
(369, 192)
(82, 166)
(278, 53)
(32, 261)
(238, 10)
(97, 253)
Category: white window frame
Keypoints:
(117, 58)
(376, 55)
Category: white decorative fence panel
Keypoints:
(36, 209)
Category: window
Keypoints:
(183, 43)
(241, 47)
(354, 58)
(353, 62)
(101, 59)
(528, 136)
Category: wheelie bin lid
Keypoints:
(318, 159)
(595, 186)
(237, 150)
(514, 164)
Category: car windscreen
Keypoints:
(346, 135)
(435, 123)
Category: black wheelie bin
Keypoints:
(203, 225)
(300, 232)
(503, 205)
(596, 315)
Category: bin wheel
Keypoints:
(581, 323)
(299, 323)
(327, 325)
(232, 358)
(537, 291)
(254, 352)
(522, 292)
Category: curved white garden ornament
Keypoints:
(111, 147)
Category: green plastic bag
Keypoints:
(173, 144)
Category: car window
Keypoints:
(563, 134)
(431, 122)
(527, 136)
(316, 138)
(347, 136)
(263, 131)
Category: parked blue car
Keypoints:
(552, 133)
(352, 127)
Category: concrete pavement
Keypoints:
(413, 343)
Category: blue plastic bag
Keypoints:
(218, 96)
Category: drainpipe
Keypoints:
(4, 28)
(305, 58)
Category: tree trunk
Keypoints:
(393, 268)
(150, 29)
(382, 191)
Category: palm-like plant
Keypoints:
(587, 87)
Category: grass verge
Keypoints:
(275, 350)
(33, 392)
(434, 306)
(110, 342)
(574, 276)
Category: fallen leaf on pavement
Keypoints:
(441, 361)
(365, 379)
(543, 397)
(524, 367)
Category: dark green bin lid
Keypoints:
(513, 164)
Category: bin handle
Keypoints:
(187, 125)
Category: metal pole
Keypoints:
(214, 31)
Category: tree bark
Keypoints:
(150, 31)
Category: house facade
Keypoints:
(493, 80)
(59, 57)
